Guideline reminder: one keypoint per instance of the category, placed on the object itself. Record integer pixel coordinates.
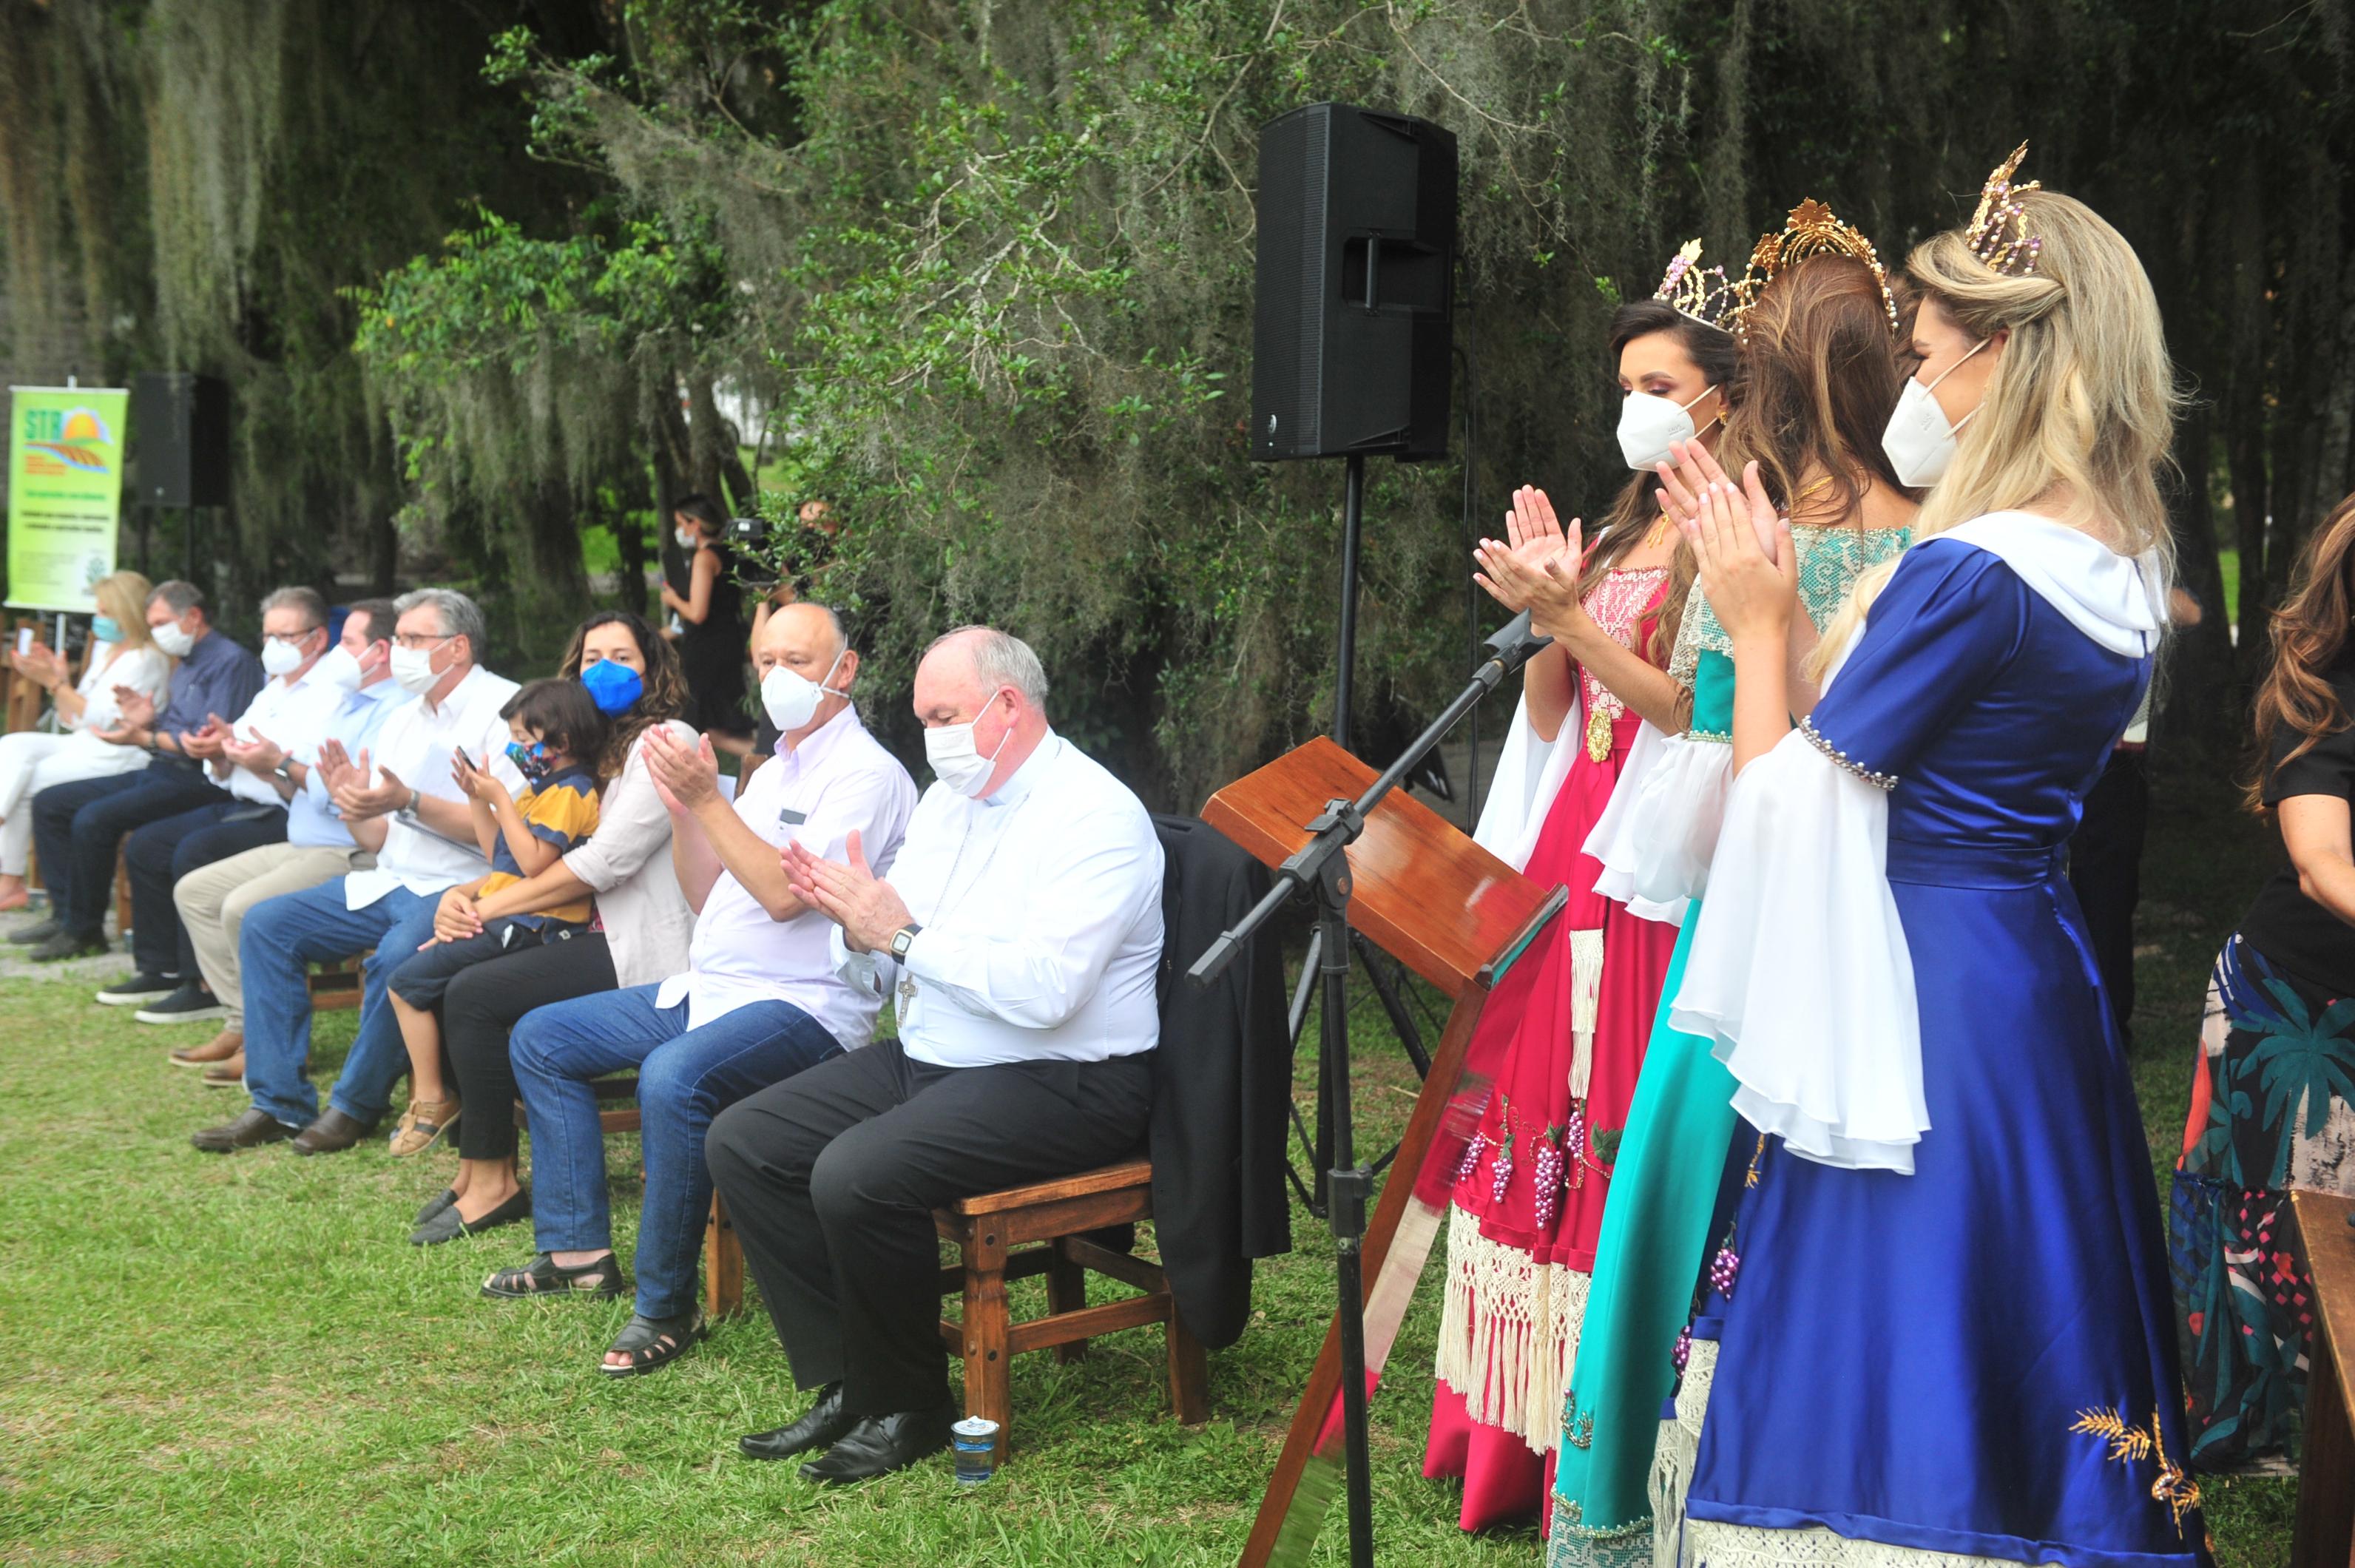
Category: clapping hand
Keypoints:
(1752, 591)
(1535, 567)
(868, 909)
(205, 744)
(686, 777)
(40, 665)
(133, 709)
(358, 800)
(333, 766)
(1686, 479)
(259, 755)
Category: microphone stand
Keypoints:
(1320, 868)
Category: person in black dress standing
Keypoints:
(711, 615)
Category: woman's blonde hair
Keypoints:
(121, 597)
(2083, 396)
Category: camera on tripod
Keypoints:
(748, 533)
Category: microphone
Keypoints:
(1512, 646)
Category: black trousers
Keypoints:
(832, 1176)
(483, 1004)
(157, 856)
(78, 827)
(2105, 872)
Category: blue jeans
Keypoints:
(686, 1076)
(281, 939)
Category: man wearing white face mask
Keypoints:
(760, 1001)
(167, 988)
(1019, 939)
(400, 801)
(213, 901)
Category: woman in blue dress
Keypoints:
(1938, 1326)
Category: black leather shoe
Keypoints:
(331, 1134)
(879, 1445)
(66, 944)
(820, 1425)
(41, 931)
(449, 1224)
(255, 1127)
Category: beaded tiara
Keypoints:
(1812, 230)
(1701, 294)
(1998, 233)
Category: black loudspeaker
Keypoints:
(1352, 330)
(180, 422)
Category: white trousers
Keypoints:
(30, 763)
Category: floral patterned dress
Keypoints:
(1529, 1199)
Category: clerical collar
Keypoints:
(1026, 777)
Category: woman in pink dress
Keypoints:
(1528, 1198)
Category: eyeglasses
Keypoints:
(418, 639)
(291, 639)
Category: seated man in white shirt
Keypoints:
(168, 987)
(402, 806)
(1018, 939)
(760, 1001)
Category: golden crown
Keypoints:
(1998, 233)
(1812, 230)
(1703, 294)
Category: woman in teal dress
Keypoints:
(1820, 302)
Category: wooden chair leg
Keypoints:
(1066, 1291)
(723, 1264)
(1189, 1373)
(121, 893)
(988, 1392)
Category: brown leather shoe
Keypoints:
(332, 1133)
(221, 1048)
(228, 1074)
(252, 1129)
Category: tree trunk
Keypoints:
(2203, 707)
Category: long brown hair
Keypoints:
(2309, 635)
(664, 699)
(1816, 382)
(1632, 515)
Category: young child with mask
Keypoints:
(558, 734)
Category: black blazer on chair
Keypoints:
(1221, 1083)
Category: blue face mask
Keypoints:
(106, 629)
(613, 686)
(532, 762)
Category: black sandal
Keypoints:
(545, 1277)
(653, 1342)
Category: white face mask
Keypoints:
(686, 538)
(1650, 423)
(279, 657)
(956, 762)
(175, 639)
(1918, 440)
(792, 698)
(414, 669)
(341, 667)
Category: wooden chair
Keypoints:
(723, 1255)
(1042, 1228)
(336, 984)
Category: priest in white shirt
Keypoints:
(1016, 943)
(403, 806)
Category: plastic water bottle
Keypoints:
(976, 1449)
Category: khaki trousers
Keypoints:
(212, 901)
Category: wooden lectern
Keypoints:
(1456, 915)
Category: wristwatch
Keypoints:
(284, 770)
(408, 813)
(902, 938)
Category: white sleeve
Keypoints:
(1528, 776)
(633, 827)
(866, 973)
(1799, 974)
(1035, 965)
(1617, 883)
(1657, 834)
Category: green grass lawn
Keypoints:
(242, 1359)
